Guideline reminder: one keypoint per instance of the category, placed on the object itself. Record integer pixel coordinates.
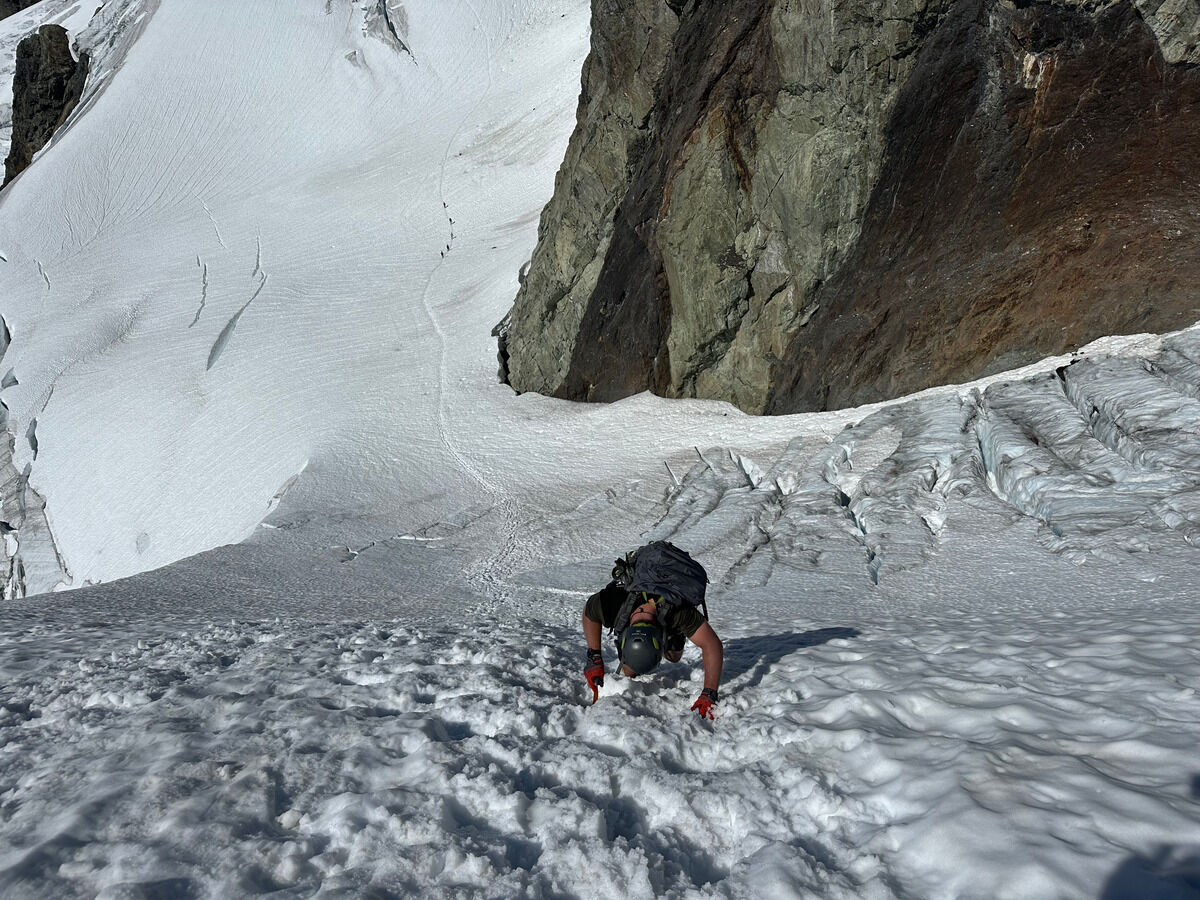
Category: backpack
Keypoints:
(663, 570)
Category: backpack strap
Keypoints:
(634, 599)
(621, 622)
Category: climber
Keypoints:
(652, 605)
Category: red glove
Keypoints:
(705, 702)
(594, 672)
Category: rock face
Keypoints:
(801, 204)
(47, 85)
(1023, 214)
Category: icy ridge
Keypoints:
(1104, 453)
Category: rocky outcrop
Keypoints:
(629, 47)
(798, 204)
(47, 86)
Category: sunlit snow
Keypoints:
(249, 292)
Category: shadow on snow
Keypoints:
(757, 654)
(1170, 872)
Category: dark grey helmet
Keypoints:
(641, 647)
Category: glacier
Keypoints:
(297, 609)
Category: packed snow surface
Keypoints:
(246, 300)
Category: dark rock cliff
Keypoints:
(1041, 189)
(47, 85)
(801, 204)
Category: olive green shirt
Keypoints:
(604, 605)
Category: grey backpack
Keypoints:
(663, 570)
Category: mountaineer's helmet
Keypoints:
(640, 647)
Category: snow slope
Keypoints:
(249, 292)
(294, 199)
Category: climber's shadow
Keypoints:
(758, 653)
(1168, 872)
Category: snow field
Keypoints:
(241, 270)
(953, 756)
